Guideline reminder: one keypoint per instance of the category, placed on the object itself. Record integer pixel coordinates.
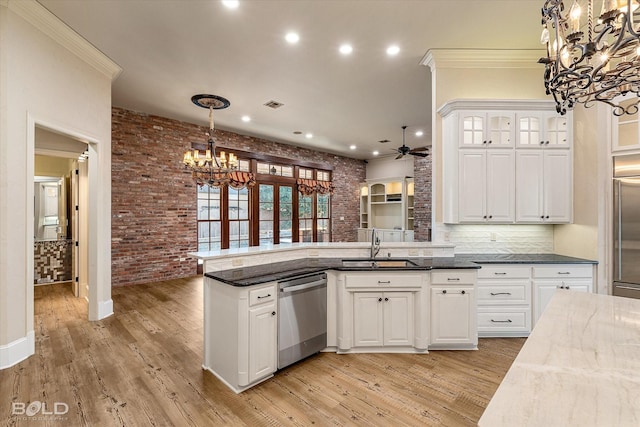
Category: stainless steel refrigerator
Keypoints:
(626, 222)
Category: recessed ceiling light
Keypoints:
(352, 147)
(231, 4)
(292, 38)
(419, 133)
(346, 49)
(246, 119)
(375, 153)
(309, 135)
(393, 50)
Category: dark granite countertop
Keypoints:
(248, 276)
(523, 259)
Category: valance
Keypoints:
(309, 186)
(235, 179)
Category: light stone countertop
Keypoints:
(579, 367)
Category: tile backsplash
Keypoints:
(497, 239)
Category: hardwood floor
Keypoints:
(142, 367)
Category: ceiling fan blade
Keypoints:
(401, 155)
(419, 154)
(425, 148)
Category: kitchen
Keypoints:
(468, 74)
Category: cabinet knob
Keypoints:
(567, 287)
(463, 292)
(490, 216)
(546, 142)
(484, 142)
(273, 313)
(444, 291)
(386, 299)
(379, 299)
(485, 217)
(541, 142)
(490, 141)
(542, 217)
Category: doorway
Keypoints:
(60, 189)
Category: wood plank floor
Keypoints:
(142, 367)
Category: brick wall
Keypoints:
(422, 198)
(154, 198)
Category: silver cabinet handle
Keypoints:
(493, 294)
(564, 272)
(501, 321)
(380, 282)
(453, 279)
(266, 296)
(499, 273)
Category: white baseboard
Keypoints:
(105, 309)
(15, 352)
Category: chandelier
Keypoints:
(589, 59)
(209, 167)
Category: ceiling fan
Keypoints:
(404, 150)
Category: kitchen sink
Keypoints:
(378, 263)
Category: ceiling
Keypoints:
(171, 50)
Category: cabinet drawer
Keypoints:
(518, 292)
(565, 271)
(504, 320)
(375, 280)
(453, 277)
(504, 272)
(262, 295)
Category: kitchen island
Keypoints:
(579, 367)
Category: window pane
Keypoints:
(323, 206)
(306, 230)
(266, 193)
(287, 171)
(263, 168)
(305, 207)
(203, 232)
(243, 165)
(323, 230)
(215, 233)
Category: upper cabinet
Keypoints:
(546, 129)
(486, 130)
(524, 174)
(626, 129)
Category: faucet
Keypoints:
(375, 244)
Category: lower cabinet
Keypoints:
(547, 279)
(453, 310)
(240, 333)
(382, 312)
(383, 319)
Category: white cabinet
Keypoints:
(240, 333)
(544, 186)
(489, 176)
(387, 205)
(626, 128)
(549, 278)
(453, 310)
(487, 187)
(543, 129)
(481, 129)
(383, 319)
(504, 300)
(382, 310)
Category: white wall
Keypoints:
(60, 82)
(389, 167)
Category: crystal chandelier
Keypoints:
(589, 59)
(209, 167)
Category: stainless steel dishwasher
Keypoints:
(302, 317)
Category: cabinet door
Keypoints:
(544, 290)
(398, 318)
(558, 186)
(500, 131)
(453, 316)
(472, 129)
(529, 130)
(262, 341)
(500, 186)
(556, 131)
(529, 185)
(472, 194)
(367, 319)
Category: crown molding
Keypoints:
(482, 58)
(496, 104)
(38, 16)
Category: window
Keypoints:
(238, 217)
(286, 205)
(209, 223)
